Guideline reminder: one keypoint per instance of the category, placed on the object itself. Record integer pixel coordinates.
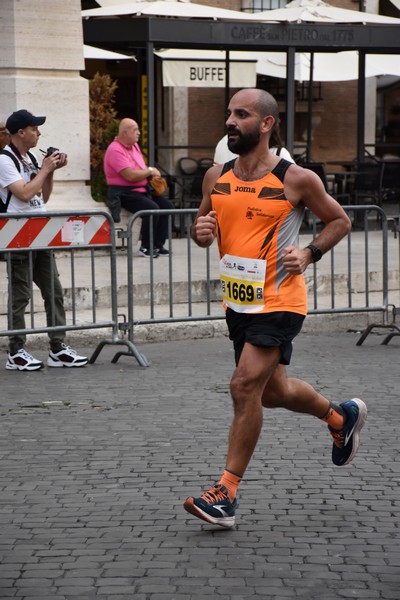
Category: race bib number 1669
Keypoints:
(242, 281)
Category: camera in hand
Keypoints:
(50, 151)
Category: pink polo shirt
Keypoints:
(119, 157)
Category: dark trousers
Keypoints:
(45, 276)
(135, 201)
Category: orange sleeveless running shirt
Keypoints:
(255, 222)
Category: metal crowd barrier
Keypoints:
(361, 297)
(392, 325)
(199, 290)
(334, 286)
(329, 293)
(354, 290)
(78, 234)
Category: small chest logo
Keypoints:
(244, 188)
(249, 214)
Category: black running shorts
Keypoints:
(266, 330)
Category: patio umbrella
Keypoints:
(91, 52)
(299, 11)
(317, 11)
(166, 8)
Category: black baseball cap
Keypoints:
(21, 119)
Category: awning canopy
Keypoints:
(207, 68)
(200, 73)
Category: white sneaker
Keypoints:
(66, 357)
(23, 361)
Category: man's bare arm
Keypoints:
(302, 185)
(133, 175)
(43, 182)
(203, 228)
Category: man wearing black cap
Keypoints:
(26, 188)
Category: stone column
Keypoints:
(371, 6)
(176, 128)
(40, 59)
(370, 113)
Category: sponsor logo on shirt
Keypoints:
(243, 188)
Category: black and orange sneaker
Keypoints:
(347, 440)
(213, 506)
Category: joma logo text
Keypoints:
(242, 188)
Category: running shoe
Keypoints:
(347, 440)
(66, 357)
(23, 361)
(213, 506)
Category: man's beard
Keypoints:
(245, 142)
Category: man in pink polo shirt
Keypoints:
(128, 186)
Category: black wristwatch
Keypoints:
(316, 253)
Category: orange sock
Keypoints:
(231, 482)
(333, 417)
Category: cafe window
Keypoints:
(254, 6)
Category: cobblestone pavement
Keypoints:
(96, 462)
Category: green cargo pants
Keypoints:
(45, 275)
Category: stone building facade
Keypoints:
(40, 63)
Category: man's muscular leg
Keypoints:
(299, 396)
(345, 421)
(255, 367)
(293, 394)
(249, 380)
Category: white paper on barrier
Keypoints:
(73, 232)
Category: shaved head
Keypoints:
(128, 132)
(126, 124)
(263, 102)
(252, 116)
(267, 105)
